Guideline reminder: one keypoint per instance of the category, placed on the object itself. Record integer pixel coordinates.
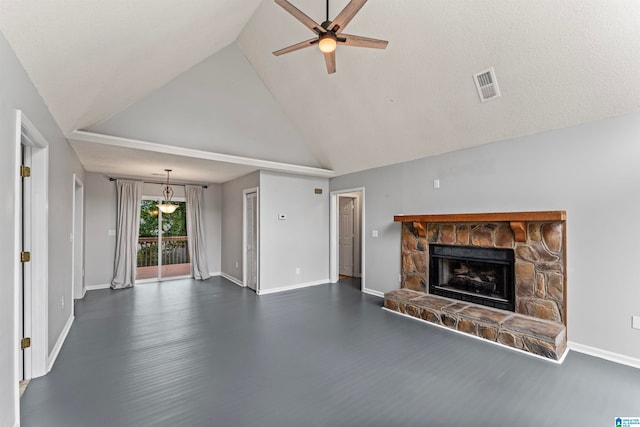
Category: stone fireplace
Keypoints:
(500, 276)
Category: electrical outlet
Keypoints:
(635, 322)
(111, 232)
(297, 270)
(237, 264)
(436, 183)
(374, 233)
(63, 303)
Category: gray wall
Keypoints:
(100, 208)
(591, 171)
(302, 240)
(232, 223)
(219, 105)
(17, 92)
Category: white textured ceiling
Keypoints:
(558, 63)
(89, 59)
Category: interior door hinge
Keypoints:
(25, 256)
(25, 343)
(25, 171)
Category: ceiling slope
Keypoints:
(557, 63)
(90, 59)
(220, 106)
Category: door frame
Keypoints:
(244, 236)
(334, 261)
(77, 241)
(36, 311)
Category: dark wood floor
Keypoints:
(188, 353)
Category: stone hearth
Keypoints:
(538, 240)
(542, 337)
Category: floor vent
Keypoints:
(487, 84)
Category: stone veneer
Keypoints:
(541, 337)
(540, 266)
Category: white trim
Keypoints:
(77, 183)
(232, 279)
(374, 293)
(61, 339)
(96, 287)
(17, 333)
(136, 144)
(605, 354)
(333, 235)
(555, 362)
(292, 287)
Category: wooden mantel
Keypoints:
(517, 220)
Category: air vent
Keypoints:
(487, 84)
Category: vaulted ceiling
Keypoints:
(123, 67)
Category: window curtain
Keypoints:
(129, 194)
(195, 231)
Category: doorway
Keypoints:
(347, 236)
(347, 239)
(31, 286)
(163, 251)
(250, 237)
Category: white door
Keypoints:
(251, 231)
(25, 269)
(346, 209)
(78, 237)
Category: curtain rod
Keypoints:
(110, 178)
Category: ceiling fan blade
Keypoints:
(358, 41)
(300, 16)
(296, 46)
(330, 60)
(347, 14)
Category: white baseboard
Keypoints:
(517, 350)
(96, 287)
(292, 287)
(232, 279)
(372, 292)
(604, 354)
(61, 339)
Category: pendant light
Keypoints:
(166, 206)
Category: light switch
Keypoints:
(374, 233)
(635, 322)
(436, 183)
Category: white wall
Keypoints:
(591, 171)
(302, 240)
(100, 208)
(232, 223)
(17, 92)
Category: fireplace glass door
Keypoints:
(479, 275)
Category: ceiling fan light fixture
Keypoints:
(327, 43)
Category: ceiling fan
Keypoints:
(329, 33)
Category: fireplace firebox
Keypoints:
(478, 275)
